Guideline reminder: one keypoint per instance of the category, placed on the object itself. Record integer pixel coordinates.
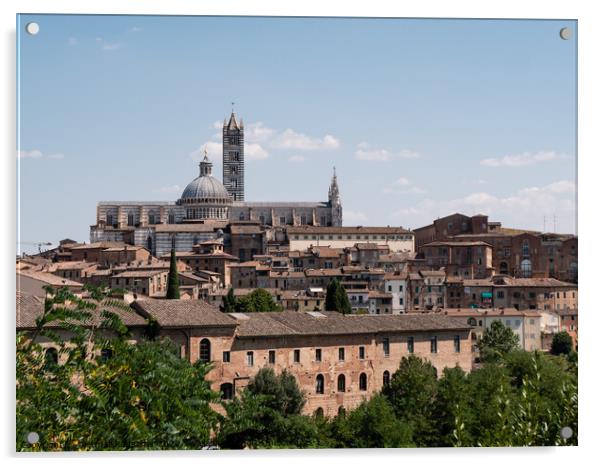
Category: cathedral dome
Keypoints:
(205, 188)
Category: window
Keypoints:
(341, 383)
(320, 384)
(456, 343)
(525, 248)
(106, 354)
(341, 354)
(151, 219)
(282, 220)
(517, 323)
(319, 412)
(271, 357)
(171, 218)
(109, 220)
(318, 354)
(362, 352)
(525, 268)
(386, 349)
(433, 344)
(297, 356)
(363, 382)
(226, 356)
(250, 358)
(51, 357)
(386, 377)
(500, 294)
(130, 220)
(205, 350)
(227, 391)
(410, 345)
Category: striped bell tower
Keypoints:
(234, 157)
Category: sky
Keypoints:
(422, 118)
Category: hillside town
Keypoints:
(431, 291)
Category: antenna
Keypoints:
(544, 223)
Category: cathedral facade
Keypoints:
(207, 205)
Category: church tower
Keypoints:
(234, 158)
(334, 200)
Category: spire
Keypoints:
(333, 191)
(232, 124)
(205, 166)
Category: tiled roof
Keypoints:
(367, 246)
(178, 313)
(48, 278)
(138, 273)
(29, 308)
(346, 230)
(333, 323)
(101, 245)
(468, 312)
(456, 243)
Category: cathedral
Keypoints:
(207, 206)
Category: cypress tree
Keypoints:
(229, 302)
(173, 281)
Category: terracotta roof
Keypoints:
(468, 312)
(178, 313)
(346, 230)
(138, 273)
(456, 243)
(326, 251)
(323, 272)
(367, 246)
(127, 247)
(48, 278)
(396, 276)
(29, 308)
(100, 245)
(287, 323)
(379, 294)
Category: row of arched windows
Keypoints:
(341, 383)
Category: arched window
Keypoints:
(341, 383)
(525, 268)
(227, 391)
(504, 268)
(525, 248)
(363, 382)
(320, 384)
(472, 321)
(386, 378)
(205, 350)
(106, 354)
(51, 357)
(241, 216)
(319, 412)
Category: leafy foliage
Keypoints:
(229, 302)
(562, 343)
(497, 341)
(259, 300)
(336, 298)
(173, 279)
(106, 393)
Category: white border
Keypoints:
(590, 121)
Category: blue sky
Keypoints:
(422, 118)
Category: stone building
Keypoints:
(337, 360)
(206, 206)
(460, 258)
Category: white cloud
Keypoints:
(521, 160)
(31, 154)
(366, 152)
(72, 41)
(135, 29)
(111, 46)
(522, 209)
(402, 185)
(170, 189)
(351, 217)
(296, 158)
(258, 132)
(37, 154)
(255, 152)
(290, 139)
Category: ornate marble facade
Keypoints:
(206, 206)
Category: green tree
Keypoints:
(452, 408)
(258, 300)
(336, 298)
(412, 392)
(229, 301)
(562, 343)
(267, 415)
(372, 424)
(106, 393)
(173, 280)
(497, 341)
